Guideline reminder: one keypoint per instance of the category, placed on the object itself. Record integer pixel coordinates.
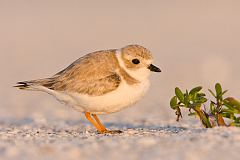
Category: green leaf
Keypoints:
(231, 109)
(237, 120)
(223, 93)
(179, 94)
(187, 94)
(203, 100)
(186, 99)
(232, 102)
(227, 115)
(201, 95)
(235, 102)
(213, 94)
(218, 89)
(173, 102)
(195, 90)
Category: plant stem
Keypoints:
(220, 120)
(203, 117)
(178, 113)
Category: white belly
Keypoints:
(124, 96)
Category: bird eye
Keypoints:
(135, 61)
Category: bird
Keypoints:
(101, 82)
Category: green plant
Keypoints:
(221, 112)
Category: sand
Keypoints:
(27, 139)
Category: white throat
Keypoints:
(141, 74)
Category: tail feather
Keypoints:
(48, 83)
(22, 85)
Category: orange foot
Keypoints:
(99, 126)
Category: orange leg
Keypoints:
(99, 123)
(88, 116)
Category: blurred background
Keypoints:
(193, 42)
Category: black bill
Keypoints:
(154, 68)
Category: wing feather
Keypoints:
(94, 74)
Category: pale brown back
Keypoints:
(94, 74)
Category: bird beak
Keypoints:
(154, 68)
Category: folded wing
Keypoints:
(94, 74)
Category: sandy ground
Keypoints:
(27, 139)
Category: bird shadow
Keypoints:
(123, 126)
(146, 127)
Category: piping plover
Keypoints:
(101, 82)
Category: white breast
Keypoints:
(114, 101)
